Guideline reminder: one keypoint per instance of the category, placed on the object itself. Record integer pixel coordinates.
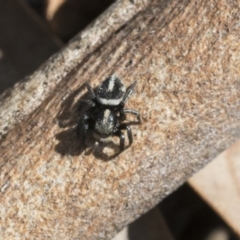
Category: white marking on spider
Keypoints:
(111, 83)
(111, 102)
(106, 116)
(123, 89)
(101, 139)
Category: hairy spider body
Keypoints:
(106, 112)
(111, 92)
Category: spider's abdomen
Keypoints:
(105, 123)
(111, 92)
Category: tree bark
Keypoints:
(184, 56)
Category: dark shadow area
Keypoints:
(68, 117)
(72, 109)
(150, 226)
(24, 45)
(37, 5)
(190, 218)
(74, 15)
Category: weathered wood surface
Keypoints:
(185, 57)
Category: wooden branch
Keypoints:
(218, 184)
(185, 58)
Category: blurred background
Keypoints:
(207, 207)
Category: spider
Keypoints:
(106, 113)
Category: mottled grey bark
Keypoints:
(185, 59)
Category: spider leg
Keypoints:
(122, 139)
(82, 128)
(90, 90)
(134, 112)
(129, 92)
(88, 102)
(129, 132)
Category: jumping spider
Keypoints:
(106, 112)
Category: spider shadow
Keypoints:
(69, 144)
(67, 119)
(71, 110)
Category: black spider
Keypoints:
(106, 113)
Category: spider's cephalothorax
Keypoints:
(106, 113)
(111, 92)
